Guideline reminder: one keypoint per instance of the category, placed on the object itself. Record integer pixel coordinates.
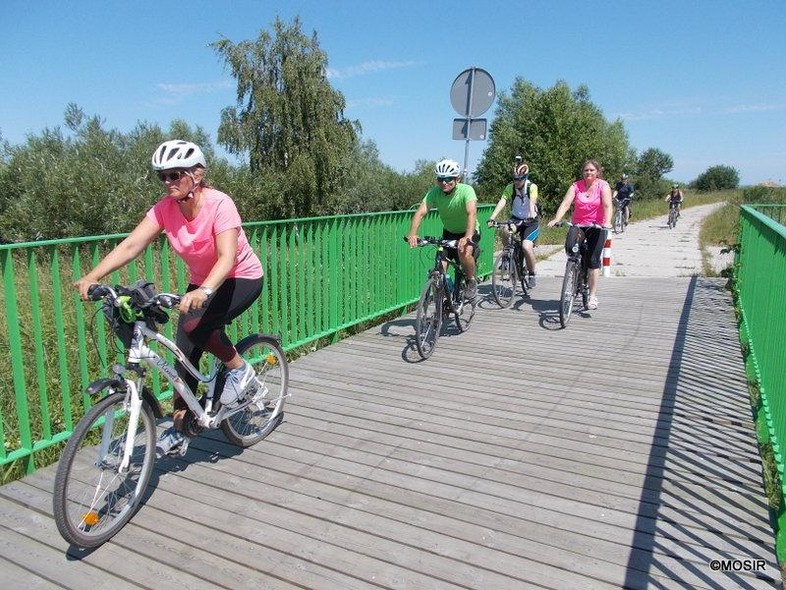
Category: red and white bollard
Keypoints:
(607, 255)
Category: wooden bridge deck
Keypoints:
(618, 453)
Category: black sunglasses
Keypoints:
(446, 178)
(517, 178)
(171, 176)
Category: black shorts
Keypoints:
(453, 252)
(596, 239)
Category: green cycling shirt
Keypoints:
(452, 207)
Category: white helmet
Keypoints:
(447, 168)
(176, 153)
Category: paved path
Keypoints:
(650, 249)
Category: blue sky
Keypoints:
(702, 80)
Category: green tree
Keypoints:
(651, 166)
(288, 120)
(555, 131)
(717, 178)
(83, 181)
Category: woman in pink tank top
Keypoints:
(591, 201)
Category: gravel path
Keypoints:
(649, 248)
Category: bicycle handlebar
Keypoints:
(426, 240)
(582, 226)
(97, 292)
(505, 225)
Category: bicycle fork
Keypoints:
(133, 402)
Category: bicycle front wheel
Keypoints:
(568, 295)
(428, 322)
(503, 279)
(94, 497)
(266, 410)
(465, 314)
(619, 222)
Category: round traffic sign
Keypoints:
(472, 92)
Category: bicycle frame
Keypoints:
(577, 266)
(442, 262)
(438, 300)
(139, 353)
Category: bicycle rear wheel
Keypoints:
(428, 322)
(568, 295)
(522, 270)
(266, 409)
(503, 279)
(92, 499)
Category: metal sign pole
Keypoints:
(469, 122)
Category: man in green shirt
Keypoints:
(456, 204)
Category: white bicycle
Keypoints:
(107, 463)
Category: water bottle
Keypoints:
(448, 284)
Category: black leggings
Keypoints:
(595, 242)
(202, 330)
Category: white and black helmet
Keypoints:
(447, 168)
(177, 153)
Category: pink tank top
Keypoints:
(588, 203)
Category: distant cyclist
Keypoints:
(623, 195)
(456, 203)
(524, 212)
(675, 198)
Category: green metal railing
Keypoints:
(761, 291)
(322, 276)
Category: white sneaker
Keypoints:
(172, 442)
(238, 380)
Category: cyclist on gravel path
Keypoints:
(675, 198)
(623, 195)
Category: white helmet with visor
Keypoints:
(447, 168)
(177, 153)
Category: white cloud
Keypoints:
(370, 102)
(182, 90)
(368, 67)
(671, 110)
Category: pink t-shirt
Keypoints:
(588, 203)
(195, 240)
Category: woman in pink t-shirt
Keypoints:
(591, 201)
(204, 228)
